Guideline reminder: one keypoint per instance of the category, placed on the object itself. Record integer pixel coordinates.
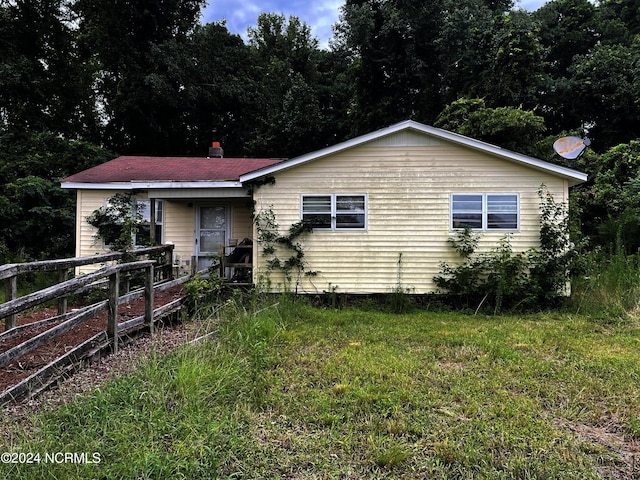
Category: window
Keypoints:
(335, 212)
(486, 211)
(143, 236)
(142, 208)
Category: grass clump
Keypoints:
(609, 285)
(178, 416)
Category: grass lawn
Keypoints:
(299, 392)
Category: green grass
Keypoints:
(298, 392)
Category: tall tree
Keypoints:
(219, 91)
(607, 93)
(464, 47)
(567, 28)
(127, 39)
(293, 107)
(393, 51)
(515, 71)
(410, 58)
(36, 214)
(44, 83)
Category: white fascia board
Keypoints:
(574, 176)
(167, 185)
(192, 193)
(149, 185)
(97, 186)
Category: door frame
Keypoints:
(196, 233)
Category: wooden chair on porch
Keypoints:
(237, 266)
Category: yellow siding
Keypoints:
(178, 225)
(241, 221)
(86, 243)
(408, 192)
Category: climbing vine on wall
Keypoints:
(504, 278)
(283, 252)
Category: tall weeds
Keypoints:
(610, 285)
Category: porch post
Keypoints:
(152, 221)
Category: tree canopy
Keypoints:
(84, 80)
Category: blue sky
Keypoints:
(320, 15)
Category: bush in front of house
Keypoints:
(502, 278)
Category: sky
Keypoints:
(320, 15)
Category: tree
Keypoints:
(37, 215)
(607, 92)
(132, 45)
(294, 108)
(566, 28)
(609, 205)
(392, 45)
(218, 91)
(515, 71)
(512, 128)
(46, 85)
(464, 47)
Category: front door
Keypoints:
(211, 233)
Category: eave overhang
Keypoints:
(143, 185)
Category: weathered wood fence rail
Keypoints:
(115, 278)
(10, 273)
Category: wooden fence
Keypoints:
(10, 273)
(114, 276)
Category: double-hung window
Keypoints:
(485, 211)
(141, 212)
(335, 211)
(143, 235)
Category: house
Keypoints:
(382, 205)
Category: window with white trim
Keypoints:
(485, 211)
(141, 207)
(335, 211)
(143, 235)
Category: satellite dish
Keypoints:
(571, 147)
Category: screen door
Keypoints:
(211, 234)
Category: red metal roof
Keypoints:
(170, 169)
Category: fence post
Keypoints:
(114, 294)
(148, 298)
(11, 293)
(169, 264)
(63, 275)
(126, 283)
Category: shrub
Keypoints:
(506, 279)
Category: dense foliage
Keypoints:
(81, 79)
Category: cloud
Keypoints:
(239, 15)
(320, 15)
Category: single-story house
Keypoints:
(382, 205)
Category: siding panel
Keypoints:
(408, 191)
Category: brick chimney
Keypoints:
(215, 150)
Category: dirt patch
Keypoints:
(623, 462)
(30, 363)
